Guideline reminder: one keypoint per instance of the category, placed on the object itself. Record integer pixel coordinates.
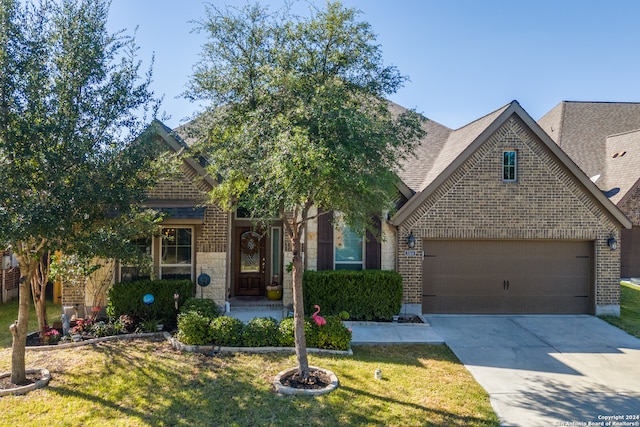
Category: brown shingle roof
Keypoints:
(414, 169)
(456, 143)
(621, 165)
(581, 129)
(439, 148)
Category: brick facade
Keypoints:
(631, 206)
(546, 202)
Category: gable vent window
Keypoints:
(509, 166)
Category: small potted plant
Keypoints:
(274, 291)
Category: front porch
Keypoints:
(247, 308)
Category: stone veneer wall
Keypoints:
(388, 247)
(545, 203)
(215, 265)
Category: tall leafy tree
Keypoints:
(72, 99)
(298, 117)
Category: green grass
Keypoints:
(629, 319)
(147, 383)
(9, 314)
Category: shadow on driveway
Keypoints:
(548, 369)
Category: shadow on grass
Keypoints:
(150, 382)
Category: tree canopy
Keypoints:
(298, 112)
(74, 158)
(298, 117)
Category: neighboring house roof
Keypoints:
(621, 171)
(462, 143)
(581, 130)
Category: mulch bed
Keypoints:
(316, 380)
(409, 319)
(5, 383)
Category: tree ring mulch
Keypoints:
(36, 378)
(320, 381)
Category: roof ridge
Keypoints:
(504, 107)
(622, 133)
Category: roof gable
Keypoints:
(464, 142)
(178, 145)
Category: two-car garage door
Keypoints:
(505, 276)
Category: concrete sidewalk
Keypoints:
(387, 333)
(364, 333)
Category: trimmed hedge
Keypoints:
(261, 332)
(195, 329)
(203, 306)
(365, 295)
(126, 298)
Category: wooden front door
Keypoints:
(250, 263)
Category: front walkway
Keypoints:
(364, 333)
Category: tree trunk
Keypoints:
(19, 328)
(38, 291)
(298, 311)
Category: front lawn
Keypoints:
(9, 314)
(629, 319)
(147, 383)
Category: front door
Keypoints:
(250, 263)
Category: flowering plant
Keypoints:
(51, 336)
(82, 325)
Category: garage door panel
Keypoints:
(493, 276)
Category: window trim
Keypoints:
(362, 262)
(507, 167)
(192, 264)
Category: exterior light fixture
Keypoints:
(411, 240)
(612, 242)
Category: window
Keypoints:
(177, 250)
(131, 272)
(509, 166)
(349, 249)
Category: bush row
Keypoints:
(127, 298)
(366, 295)
(196, 329)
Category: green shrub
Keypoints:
(226, 331)
(126, 298)
(333, 335)
(365, 295)
(287, 332)
(261, 332)
(206, 307)
(286, 329)
(193, 328)
(102, 329)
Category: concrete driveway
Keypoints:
(549, 370)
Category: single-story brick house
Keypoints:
(501, 219)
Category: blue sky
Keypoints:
(464, 58)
